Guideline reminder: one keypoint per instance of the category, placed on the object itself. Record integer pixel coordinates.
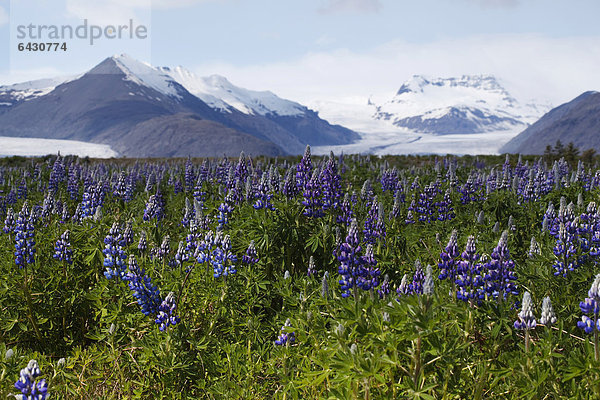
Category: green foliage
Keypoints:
(361, 347)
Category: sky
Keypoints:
(333, 50)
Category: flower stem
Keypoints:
(30, 314)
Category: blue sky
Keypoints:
(330, 49)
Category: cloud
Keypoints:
(360, 6)
(3, 16)
(530, 66)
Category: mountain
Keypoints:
(577, 121)
(143, 111)
(11, 95)
(303, 123)
(469, 104)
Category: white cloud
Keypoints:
(530, 66)
(361, 6)
(3, 16)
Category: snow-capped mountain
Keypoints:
(144, 111)
(469, 104)
(219, 93)
(18, 92)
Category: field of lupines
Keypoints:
(338, 277)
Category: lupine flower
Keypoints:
(367, 276)
(31, 389)
(416, 287)
(24, 238)
(468, 275)
(591, 307)
(313, 204)
(166, 313)
(372, 228)
(154, 207)
(428, 285)
(385, 287)
(534, 248)
(62, 248)
(114, 256)
(324, 285)
(345, 210)
(165, 247)
(449, 262)
(216, 250)
(9, 221)
(251, 257)
(445, 209)
(128, 233)
(330, 184)
(142, 244)
(350, 259)
(286, 337)
(526, 319)
(225, 209)
(311, 270)
(404, 288)
(304, 170)
(144, 291)
(548, 316)
(499, 271)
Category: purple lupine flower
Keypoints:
(251, 256)
(371, 234)
(31, 389)
(330, 184)
(9, 221)
(499, 271)
(304, 170)
(166, 313)
(114, 256)
(367, 276)
(591, 307)
(416, 287)
(349, 256)
(142, 244)
(24, 238)
(121, 186)
(190, 176)
(313, 205)
(345, 212)
(449, 259)
(445, 209)
(468, 273)
(225, 209)
(155, 207)
(62, 248)
(144, 291)
(285, 337)
(263, 195)
(385, 287)
(290, 188)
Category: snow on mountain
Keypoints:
(469, 104)
(147, 75)
(219, 93)
(28, 90)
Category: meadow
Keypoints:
(340, 277)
